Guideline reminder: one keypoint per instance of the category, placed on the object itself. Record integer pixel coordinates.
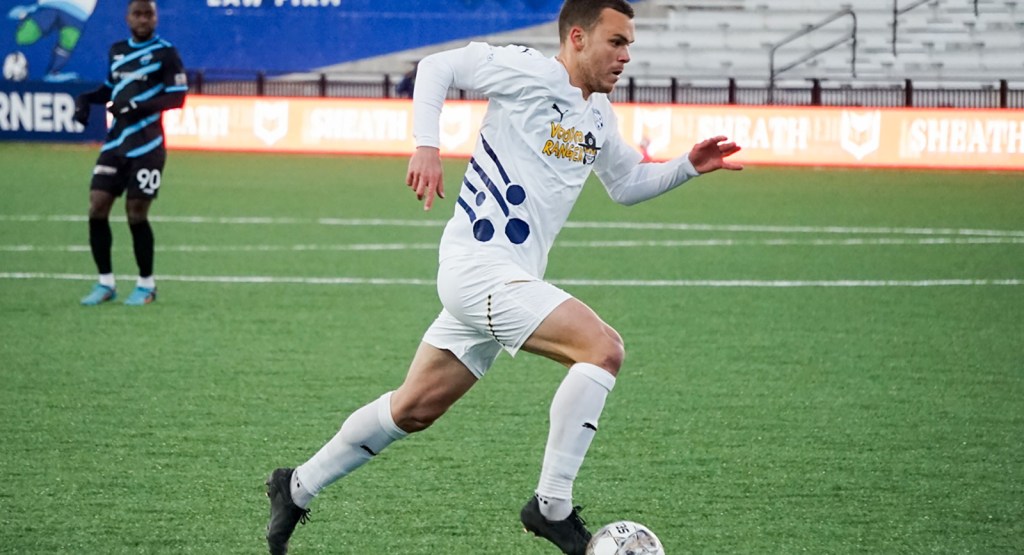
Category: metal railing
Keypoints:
(816, 92)
(852, 37)
(897, 12)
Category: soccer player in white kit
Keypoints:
(548, 125)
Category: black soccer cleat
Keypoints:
(284, 513)
(569, 535)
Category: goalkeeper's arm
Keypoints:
(84, 100)
(137, 110)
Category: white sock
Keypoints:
(554, 509)
(147, 282)
(575, 411)
(107, 280)
(364, 434)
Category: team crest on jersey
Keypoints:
(571, 144)
(598, 119)
(590, 148)
(146, 59)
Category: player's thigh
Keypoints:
(495, 301)
(573, 333)
(473, 347)
(145, 175)
(435, 381)
(110, 175)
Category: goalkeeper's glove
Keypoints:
(121, 110)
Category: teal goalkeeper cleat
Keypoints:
(99, 295)
(141, 296)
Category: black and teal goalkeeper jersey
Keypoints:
(145, 78)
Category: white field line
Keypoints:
(360, 247)
(579, 225)
(564, 282)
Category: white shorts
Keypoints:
(488, 306)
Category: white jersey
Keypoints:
(538, 143)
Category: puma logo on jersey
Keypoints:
(561, 114)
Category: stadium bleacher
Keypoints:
(966, 52)
(936, 40)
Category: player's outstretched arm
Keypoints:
(137, 110)
(425, 176)
(82, 102)
(628, 180)
(710, 155)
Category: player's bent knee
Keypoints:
(614, 351)
(416, 422)
(417, 415)
(614, 356)
(608, 354)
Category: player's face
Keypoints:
(606, 51)
(142, 19)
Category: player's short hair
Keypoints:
(586, 13)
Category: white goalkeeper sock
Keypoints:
(575, 410)
(364, 434)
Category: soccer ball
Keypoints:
(15, 67)
(625, 537)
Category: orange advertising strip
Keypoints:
(868, 137)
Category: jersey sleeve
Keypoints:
(495, 72)
(507, 71)
(617, 158)
(628, 181)
(110, 69)
(175, 78)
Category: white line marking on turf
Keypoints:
(238, 248)
(237, 279)
(362, 247)
(578, 282)
(578, 225)
(793, 242)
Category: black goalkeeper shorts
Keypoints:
(140, 177)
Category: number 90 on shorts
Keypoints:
(139, 177)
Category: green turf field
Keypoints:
(817, 362)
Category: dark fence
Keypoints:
(997, 94)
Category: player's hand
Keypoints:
(425, 177)
(710, 155)
(122, 109)
(82, 110)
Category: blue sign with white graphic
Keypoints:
(67, 40)
(37, 111)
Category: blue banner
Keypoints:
(36, 111)
(65, 40)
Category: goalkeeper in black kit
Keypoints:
(145, 78)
